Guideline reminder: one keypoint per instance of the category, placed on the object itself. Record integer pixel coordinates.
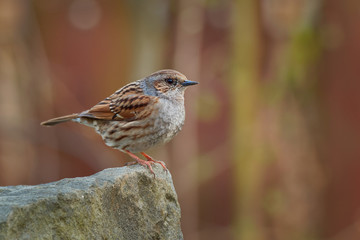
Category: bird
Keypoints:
(140, 115)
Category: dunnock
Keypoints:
(138, 116)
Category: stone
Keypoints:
(116, 203)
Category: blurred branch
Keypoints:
(275, 114)
(245, 92)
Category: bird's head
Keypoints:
(169, 83)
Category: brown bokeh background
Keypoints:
(271, 144)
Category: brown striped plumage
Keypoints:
(140, 115)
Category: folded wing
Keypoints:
(127, 104)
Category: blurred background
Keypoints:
(271, 144)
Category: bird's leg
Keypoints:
(140, 161)
(150, 159)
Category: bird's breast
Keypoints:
(171, 117)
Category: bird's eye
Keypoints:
(171, 81)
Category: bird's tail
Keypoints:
(58, 120)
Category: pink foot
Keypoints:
(140, 161)
(150, 159)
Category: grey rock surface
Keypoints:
(116, 203)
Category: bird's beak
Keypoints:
(188, 83)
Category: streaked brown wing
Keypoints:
(132, 107)
(129, 104)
